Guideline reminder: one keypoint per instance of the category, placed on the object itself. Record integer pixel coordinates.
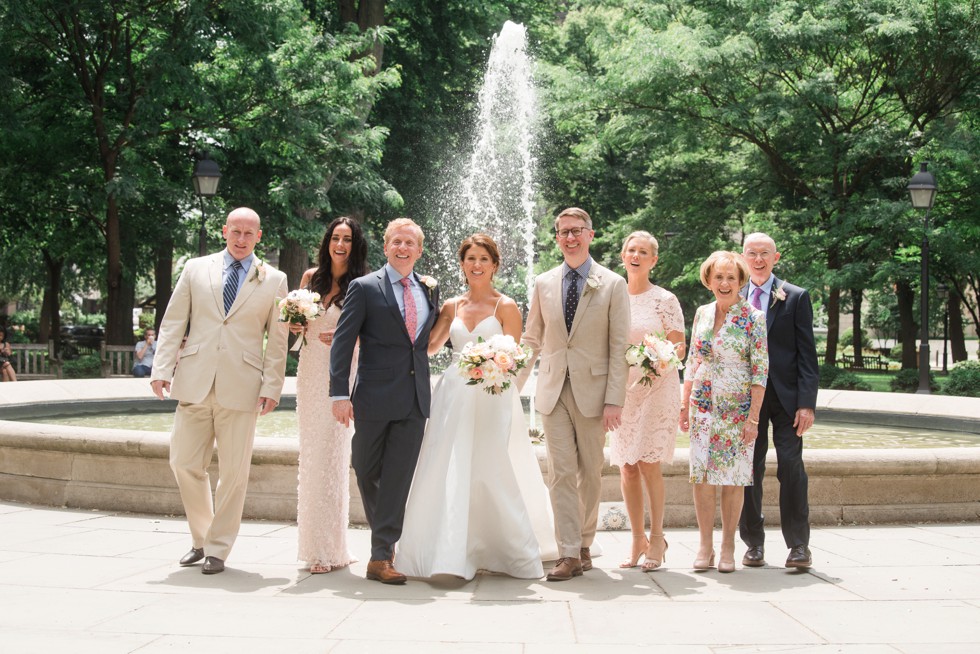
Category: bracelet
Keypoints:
(753, 422)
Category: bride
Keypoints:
(478, 501)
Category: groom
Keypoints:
(390, 312)
(579, 324)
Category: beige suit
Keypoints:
(578, 374)
(223, 371)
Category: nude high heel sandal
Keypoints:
(704, 564)
(651, 563)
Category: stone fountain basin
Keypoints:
(126, 470)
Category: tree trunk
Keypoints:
(121, 287)
(163, 274)
(50, 324)
(857, 296)
(293, 260)
(957, 341)
(906, 324)
(833, 326)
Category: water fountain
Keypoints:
(495, 191)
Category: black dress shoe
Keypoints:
(212, 566)
(192, 557)
(799, 557)
(755, 557)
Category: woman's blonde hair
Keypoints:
(724, 256)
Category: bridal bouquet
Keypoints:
(298, 308)
(654, 357)
(493, 363)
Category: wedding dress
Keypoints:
(478, 501)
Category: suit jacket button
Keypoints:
(411, 372)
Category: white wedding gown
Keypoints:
(478, 501)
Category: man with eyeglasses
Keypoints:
(790, 398)
(578, 325)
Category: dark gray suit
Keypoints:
(792, 384)
(391, 397)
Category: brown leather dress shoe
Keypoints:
(565, 568)
(799, 557)
(192, 557)
(212, 566)
(384, 571)
(755, 557)
(586, 557)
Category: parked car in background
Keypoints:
(78, 339)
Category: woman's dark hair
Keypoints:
(322, 278)
(3, 333)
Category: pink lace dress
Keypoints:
(648, 431)
(323, 508)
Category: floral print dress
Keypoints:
(723, 367)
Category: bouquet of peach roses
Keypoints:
(654, 357)
(299, 307)
(492, 363)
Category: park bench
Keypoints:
(117, 360)
(35, 361)
(869, 362)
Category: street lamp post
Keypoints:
(206, 177)
(943, 292)
(922, 190)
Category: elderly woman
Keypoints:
(725, 381)
(647, 435)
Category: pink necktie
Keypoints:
(757, 297)
(411, 312)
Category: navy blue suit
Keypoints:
(391, 397)
(792, 384)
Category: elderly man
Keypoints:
(791, 395)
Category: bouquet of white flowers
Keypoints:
(654, 357)
(493, 363)
(299, 307)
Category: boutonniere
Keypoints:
(592, 282)
(429, 282)
(259, 274)
(778, 295)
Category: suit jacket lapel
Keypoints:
(215, 270)
(389, 294)
(585, 299)
(557, 300)
(773, 303)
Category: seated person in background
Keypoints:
(145, 350)
(6, 368)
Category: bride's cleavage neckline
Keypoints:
(463, 323)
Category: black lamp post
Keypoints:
(922, 189)
(206, 177)
(943, 291)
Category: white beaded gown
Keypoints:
(323, 507)
(478, 501)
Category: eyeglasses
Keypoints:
(575, 231)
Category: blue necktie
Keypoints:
(231, 285)
(571, 299)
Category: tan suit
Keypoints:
(578, 374)
(222, 373)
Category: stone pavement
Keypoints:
(97, 581)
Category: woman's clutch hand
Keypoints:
(295, 328)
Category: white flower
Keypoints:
(592, 282)
(259, 271)
(778, 295)
(430, 282)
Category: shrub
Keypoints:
(896, 353)
(292, 364)
(964, 379)
(847, 337)
(907, 381)
(828, 373)
(848, 381)
(86, 366)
